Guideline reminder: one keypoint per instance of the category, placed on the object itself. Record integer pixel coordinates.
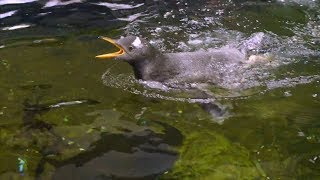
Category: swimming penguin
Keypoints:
(205, 66)
(210, 66)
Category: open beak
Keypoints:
(114, 54)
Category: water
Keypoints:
(68, 115)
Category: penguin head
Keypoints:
(131, 49)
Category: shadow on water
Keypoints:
(139, 155)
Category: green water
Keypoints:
(269, 135)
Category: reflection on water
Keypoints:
(59, 117)
(115, 6)
(60, 3)
(7, 14)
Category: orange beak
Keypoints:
(114, 54)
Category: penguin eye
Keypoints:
(130, 48)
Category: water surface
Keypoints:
(65, 114)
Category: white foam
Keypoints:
(4, 2)
(20, 26)
(137, 42)
(115, 6)
(7, 14)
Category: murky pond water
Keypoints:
(66, 115)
